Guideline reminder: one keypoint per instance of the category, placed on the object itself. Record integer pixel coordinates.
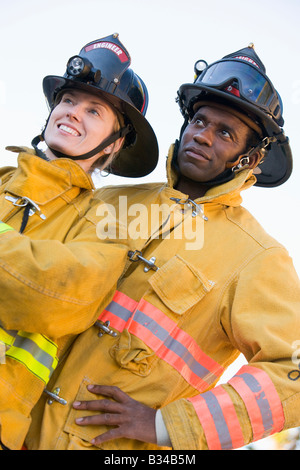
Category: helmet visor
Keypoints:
(242, 79)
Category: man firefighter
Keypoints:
(55, 272)
(180, 315)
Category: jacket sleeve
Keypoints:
(260, 314)
(57, 288)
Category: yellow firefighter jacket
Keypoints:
(182, 319)
(54, 277)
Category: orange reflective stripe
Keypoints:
(219, 420)
(261, 400)
(164, 337)
(118, 311)
(174, 346)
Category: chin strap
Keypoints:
(110, 140)
(244, 160)
(35, 142)
(231, 167)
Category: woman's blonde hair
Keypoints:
(104, 161)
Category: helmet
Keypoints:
(239, 80)
(102, 66)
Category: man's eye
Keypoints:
(199, 122)
(67, 100)
(226, 134)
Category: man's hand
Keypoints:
(130, 418)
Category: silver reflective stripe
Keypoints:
(32, 348)
(119, 310)
(175, 346)
(36, 352)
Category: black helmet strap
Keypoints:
(110, 140)
(264, 143)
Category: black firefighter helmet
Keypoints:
(239, 80)
(102, 67)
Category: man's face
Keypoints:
(79, 123)
(213, 138)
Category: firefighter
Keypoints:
(55, 271)
(147, 374)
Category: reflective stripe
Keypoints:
(119, 311)
(165, 338)
(261, 400)
(219, 420)
(5, 228)
(36, 352)
(7, 336)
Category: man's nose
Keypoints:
(204, 136)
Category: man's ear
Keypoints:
(255, 159)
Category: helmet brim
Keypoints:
(138, 159)
(278, 164)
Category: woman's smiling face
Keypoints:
(79, 123)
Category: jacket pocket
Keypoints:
(79, 437)
(153, 329)
(131, 353)
(180, 285)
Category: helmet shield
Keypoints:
(239, 80)
(102, 67)
(243, 79)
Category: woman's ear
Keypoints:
(114, 147)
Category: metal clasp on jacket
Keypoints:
(24, 201)
(54, 396)
(197, 208)
(137, 256)
(104, 329)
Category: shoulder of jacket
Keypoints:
(250, 227)
(126, 189)
(6, 173)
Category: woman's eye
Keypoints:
(67, 100)
(94, 111)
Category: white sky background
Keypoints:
(164, 38)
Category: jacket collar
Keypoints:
(42, 180)
(227, 193)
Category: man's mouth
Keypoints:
(197, 153)
(69, 130)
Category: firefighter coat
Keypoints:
(214, 285)
(54, 277)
